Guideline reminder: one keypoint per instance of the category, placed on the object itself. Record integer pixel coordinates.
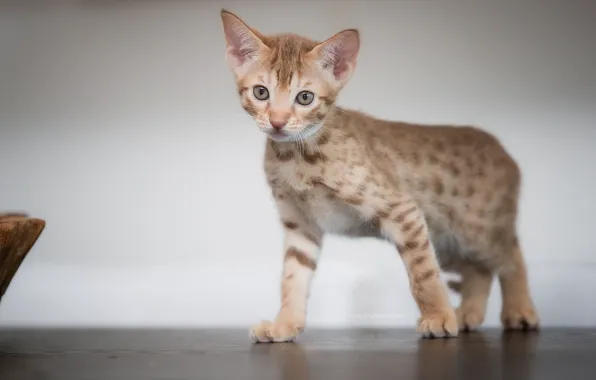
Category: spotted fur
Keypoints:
(445, 196)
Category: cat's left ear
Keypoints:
(243, 44)
(338, 55)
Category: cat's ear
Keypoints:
(338, 54)
(243, 44)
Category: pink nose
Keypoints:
(278, 124)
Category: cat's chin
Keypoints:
(278, 137)
(287, 137)
(284, 137)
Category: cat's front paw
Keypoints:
(441, 324)
(282, 330)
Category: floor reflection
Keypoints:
(320, 354)
(477, 354)
(472, 356)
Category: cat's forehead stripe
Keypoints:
(287, 56)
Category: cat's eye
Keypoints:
(305, 98)
(260, 92)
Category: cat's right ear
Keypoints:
(243, 45)
(338, 55)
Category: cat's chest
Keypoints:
(297, 175)
(323, 207)
(332, 215)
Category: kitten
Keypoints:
(445, 196)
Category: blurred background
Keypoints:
(120, 126)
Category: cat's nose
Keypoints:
(278, 118)
(278, 124)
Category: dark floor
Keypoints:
(560, 354)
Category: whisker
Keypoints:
(314, 143)
(301, 141)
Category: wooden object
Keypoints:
(18, 233)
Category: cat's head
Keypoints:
(288, 83)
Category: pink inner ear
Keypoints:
(241, 44)
(340, 68)
(340, 52)
(240, 55)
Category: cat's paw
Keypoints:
(469, 318)
(438, 325)
(519, 316)
(278, 331)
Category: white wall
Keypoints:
(119, 125)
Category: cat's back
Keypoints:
(460, 175)
(462, 150)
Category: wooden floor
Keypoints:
(558, 354)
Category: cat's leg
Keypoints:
(518, 311)
(301, 252)
(474, 289)
(401, 221)
(404, 223)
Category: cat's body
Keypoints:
(466, 184)
(445, 196)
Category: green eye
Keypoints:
(260, 92)
(305, 98)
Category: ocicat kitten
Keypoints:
(445, 196)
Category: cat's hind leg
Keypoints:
(474, 289)
(474, 283)
(496, 254)
(518, 311)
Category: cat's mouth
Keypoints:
(277, 134)
(286, 136)
(281, 136)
